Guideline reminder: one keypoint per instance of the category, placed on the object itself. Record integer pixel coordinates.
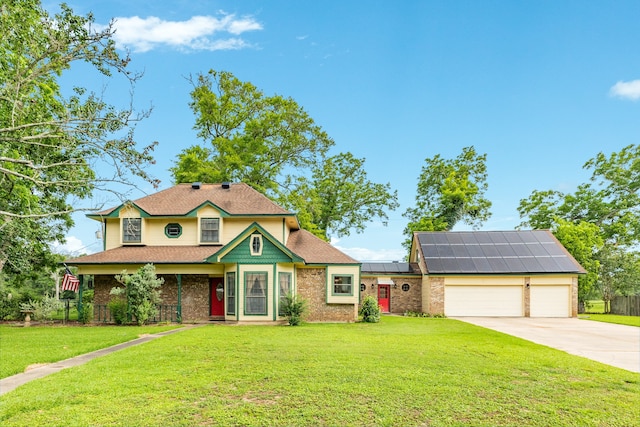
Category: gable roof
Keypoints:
(183, 199)
(495, 252)
(315, 250)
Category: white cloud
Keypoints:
(197, 33)
(629, 90)
(75, 247)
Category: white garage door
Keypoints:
(494, 301)
(550, 301)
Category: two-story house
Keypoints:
(226, 252)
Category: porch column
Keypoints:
(179, 308)
(80, 290)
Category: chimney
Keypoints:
(195, 186)
(226, 185)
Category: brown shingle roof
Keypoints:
(238, 199)
(315, 250)
(149, 254)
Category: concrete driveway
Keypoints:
(615, 345)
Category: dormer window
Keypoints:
(256, 244)
(131, 230)
(210, 230)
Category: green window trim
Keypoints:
(342, 285)
(284, 288)
(256, 290)
(231, 293)
(173, 230)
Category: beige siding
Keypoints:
(353, 271)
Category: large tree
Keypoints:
(54, 140)
(449, 191)
(272, 144)
(610, 201)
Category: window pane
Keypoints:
(342, 285)
(209, 228)
(285, 289)
(256, 293)
(131, 230)
(255, 244)
(231, 293)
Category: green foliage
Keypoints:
(449, 192)
(118, 308)
(86, 314)
(294, 308)
(608, 203)
(142, 292)
(271, 144)
(42, 310)
(370, 310)
(417, 314)
(51, 143)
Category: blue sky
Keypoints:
(539, 86)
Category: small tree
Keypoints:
(141, 291)
(370, 310)
(294, 309)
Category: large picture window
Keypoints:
(342, 285)
(131, 230)
(231, 293)
(210, 230)
(255, 293)
(284, 280)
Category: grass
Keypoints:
(402, 371)
(21, 347)
(613, 318)
(595, 306)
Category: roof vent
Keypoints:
(226, 185)
(195, 186)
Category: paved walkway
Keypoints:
(615, 345)
(14, 381)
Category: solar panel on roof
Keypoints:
(474, 250)
(445, 251)
(505, 250)
(482, 265)
(553, 249)
(521, 250)
(466, 265)
(497, 237)
(515, 265)
(536, 250)
(450, 265)
(490, 251)
(497, 265)
(468, 238)
(430, 251)
(460, 251)
(483, 238)
(531, 264)
(512, 237)
(440, 238)
(454, 238)
(543, 236)
(528, 237)
(434, 265)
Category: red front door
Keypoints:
(216, 292)
(384, 297)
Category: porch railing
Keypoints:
(166, 313)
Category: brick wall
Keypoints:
(401, 301)
(312, 286)
(195, 294)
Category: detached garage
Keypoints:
(496, 274)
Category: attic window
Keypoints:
(131, 230)
(173, 230)
(210, 230)
(256, 244)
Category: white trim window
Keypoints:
(256, 244)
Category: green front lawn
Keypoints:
(402, 371)
(21, 347)
(612, 318)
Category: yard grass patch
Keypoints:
(21, 347)
(401, 371)
(612, 318)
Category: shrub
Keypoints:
(42, 310)
(293, 308)
(118, 308)
(86, 314)
(370, 310)
(141, 290)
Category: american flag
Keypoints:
(70, 282)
